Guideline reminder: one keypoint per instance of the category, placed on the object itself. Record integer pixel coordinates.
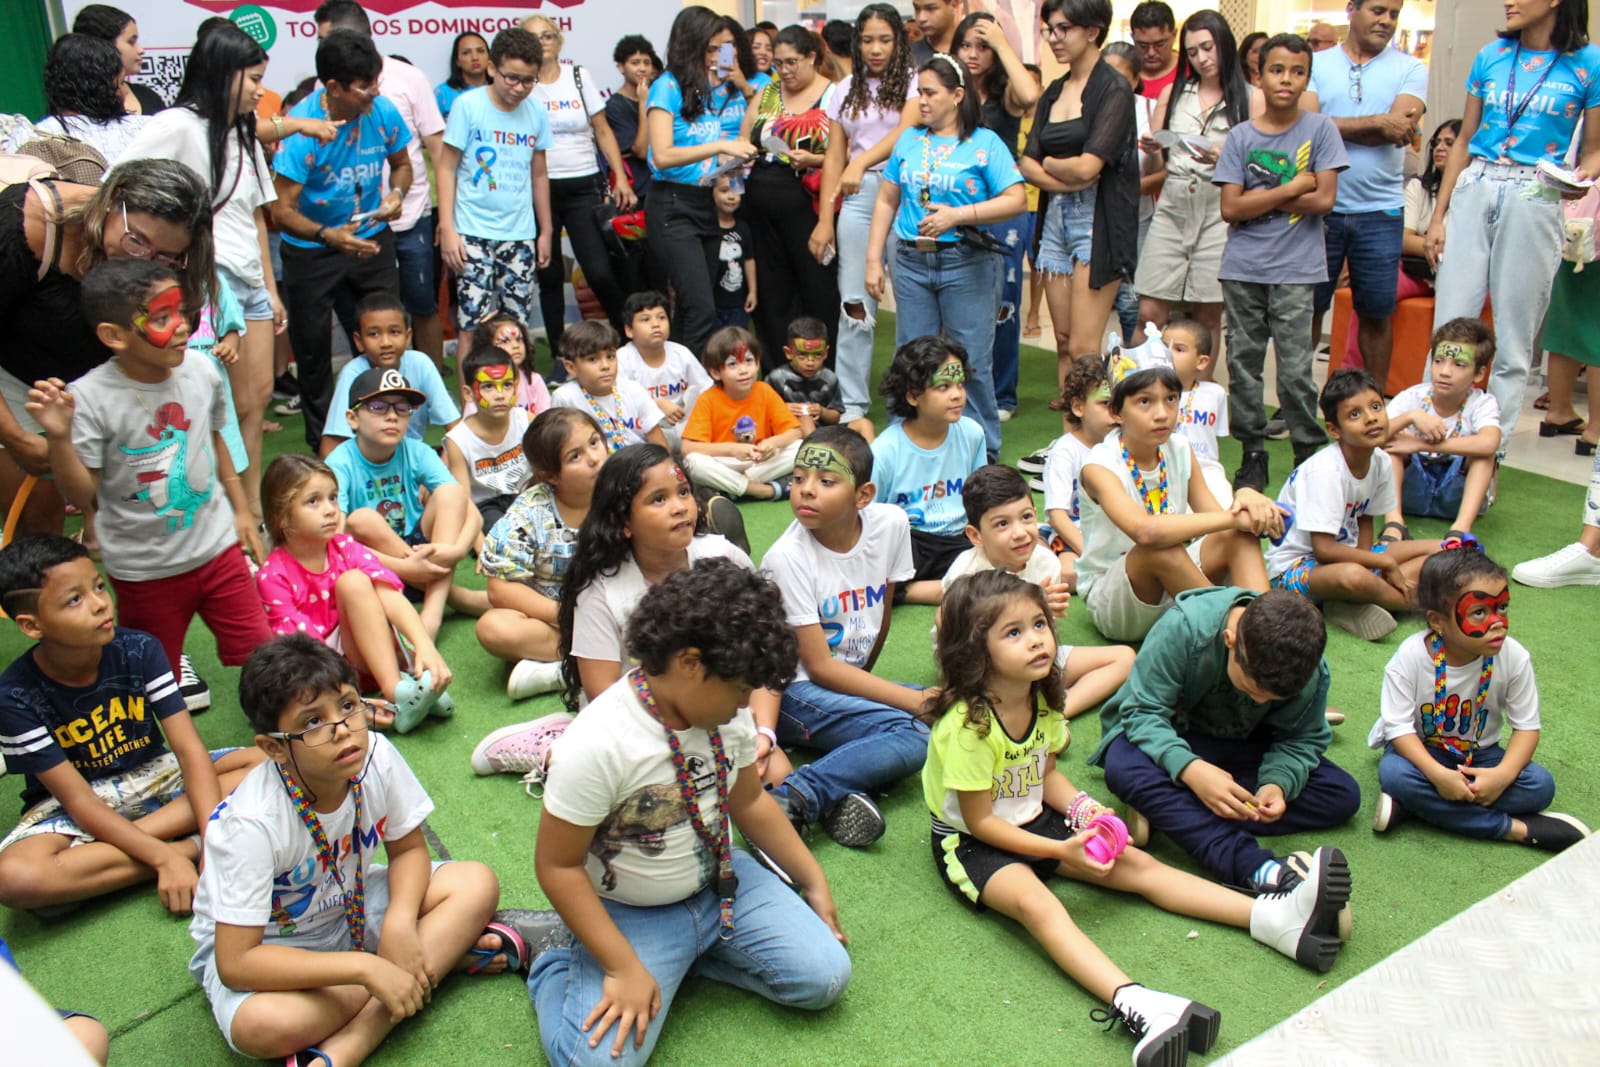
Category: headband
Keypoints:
(823, 458)
(950, 372)
(1122, 363)
(960, 69)
(1457, 350)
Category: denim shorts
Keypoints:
(254, 299)
(1068, 235)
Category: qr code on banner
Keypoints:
(163, 72)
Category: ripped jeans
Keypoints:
(853, 353)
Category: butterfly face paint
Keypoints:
(1477, 612)
(159, 318)
(950, 372)
(491, 382)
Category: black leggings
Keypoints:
(572, 204)
(789, 280)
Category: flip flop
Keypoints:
(511, 945)
(1383, 535)
(414, 699)
(299, 1059)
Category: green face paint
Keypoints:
(1461, 353)
(823, 458)
(1101, 395)
(950, 372)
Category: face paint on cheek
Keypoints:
(1497, 606)
(167, 309)
(499, 375)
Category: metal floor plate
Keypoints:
(1514, 979)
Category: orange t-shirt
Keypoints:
(711, 421)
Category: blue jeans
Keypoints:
(868, 745)
(419, 289)
(853, 354)
(953, 291)
(1013, 233)
(779, 949)
(1370, 241)
(1530, 794)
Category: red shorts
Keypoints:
(222, 592)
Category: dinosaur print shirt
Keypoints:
(612, 770)
(1277, 248)
(163, 510)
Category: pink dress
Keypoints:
(302, 601)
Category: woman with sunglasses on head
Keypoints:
(1082, 156)
(51, 234)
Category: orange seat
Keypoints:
(1413, 329)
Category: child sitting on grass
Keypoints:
(484, 450)
(1004, 530)
(505, 332)
(625, 412)
(382, 472)
(669, 372)
(1444, 434)
(1328, 552)
(325, 583)
(1086, 420)
(649, 911)
(1005, 818)
(305, 945)
(806, 384)
(383, 339)
(105, 804)
(1447, 694)
(920, 464)
(1203, 407)
(740, 438)
(1151, 528)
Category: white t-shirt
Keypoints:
(1042, 568)
(846, 593)
(1103, 540)
(1202, 418)
(1327, 498)
(1061, 467)
(259, 856)
(629, 405)
(1480, 411)
(601, 617)
(572, 154)
(179, 134)
(1407, 705)
(498, 468)
(409, 90)
(680, 378)
(613, 770)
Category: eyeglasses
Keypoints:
(548, 35)
(1057, 29)
(383, 407)
(515, 82)
(792, 63)
(1355, 81)
(323, 733)
(138, 246)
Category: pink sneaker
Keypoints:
(521, 748)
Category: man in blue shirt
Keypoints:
(332, 210)
(1374, 95)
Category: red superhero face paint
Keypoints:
(1477, 612)
(161, 316)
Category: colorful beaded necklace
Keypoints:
(1470, 707)
(612, 423)
(720, 844)
(355, 901)
(1161, 504)
(1455, 431)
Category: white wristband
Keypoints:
(769, 734)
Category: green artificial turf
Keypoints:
(933, 983)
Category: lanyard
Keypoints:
(930, 166)
(355, 902)
(612, 424)
(1516, 109)
(1469, 708)
(1455, 431)
(720, 844)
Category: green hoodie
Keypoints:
(1179, 684)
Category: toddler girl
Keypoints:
(507, 332)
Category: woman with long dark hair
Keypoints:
(117, 27)
(211, 128)
(469, 68)
(777, 204)
(867, 113)
(83, 92)
(1527, 93)
(1082, 157)
(1250, 57)
(1183, 251)
(686, 137)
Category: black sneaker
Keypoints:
(284, 386)
(723, 517)
(1033, 464)
(196, 693)
(291, 406)
(540, 931)
(1252, 472)
(1277, 428)
(1554, 831)
(854, 822)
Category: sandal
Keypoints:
(1383, 535)
(512, 947)
(414, 700)
(1031, 331)
(1543, 403)
(1570, 428)
(307, 1057)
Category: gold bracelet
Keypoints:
(277, 124)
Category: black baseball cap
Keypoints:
(382, 381)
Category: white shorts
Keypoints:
(1116, 610)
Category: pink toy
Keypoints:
(1111, 837)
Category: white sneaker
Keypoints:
(1367, 621)
(1300, 923)
(1168, 1027)
(1573, 565)
(521, 748)
(530, 677)
(1005, 414)
(1386, 815)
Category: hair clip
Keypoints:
(961, 71)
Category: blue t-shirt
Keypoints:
(1375, 180)
(952, 171)
(927, 483)
(103, 730)
(494, 180)
(666, 95)
(390, 488)
(345, 176)
(730, 104)
(1544, 129)
(444, 94)
(439, 409)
